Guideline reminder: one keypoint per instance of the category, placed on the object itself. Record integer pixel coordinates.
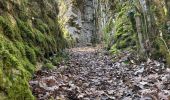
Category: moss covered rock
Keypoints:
(29, 32)
(125, 36)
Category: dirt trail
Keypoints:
(91, 74)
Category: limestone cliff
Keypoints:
(78, 20)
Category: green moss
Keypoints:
(7, 28)
(137, 14)
(26, 38)
(41, 26)
(168, 59)
(48, 65)
(108, 35)
(56, 60)
(124, 36)
(21, 47)
(22, 14)
(30, 54)
(26, 30)
(15, 77)
(161, 50)
(3, 96)
(40, 38)
(122, 44)
(28, 65)
(114, 49)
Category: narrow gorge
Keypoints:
(84, 49)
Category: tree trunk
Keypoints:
(139, 32)
(167, 3)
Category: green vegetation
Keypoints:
(55, 60)
(142, 26)
(26, 38)
(48, 65)
(108, 34)
(124, 36)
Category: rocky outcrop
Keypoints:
(70, 20)
(88, 19)
(78, 20)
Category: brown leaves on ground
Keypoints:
(91, 74)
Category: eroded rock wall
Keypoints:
(88, 19)
(78, 20)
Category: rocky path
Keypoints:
(91, 74)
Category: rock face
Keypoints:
(70, 19)
(88, 19)
(79, 20)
